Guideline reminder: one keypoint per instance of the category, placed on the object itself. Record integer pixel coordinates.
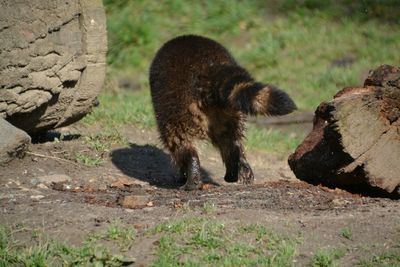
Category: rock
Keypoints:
(42, 186)
(53, 179)
(13, 142)
(37, 197)
(134, 201)
(355, 141)
(52, 63)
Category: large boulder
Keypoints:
(355, 142)
(52, 61)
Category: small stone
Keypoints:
(42, 186)
(340, 202)
(148, 209)
(37, 197)
(134, 202)
(34, 181)
(61, 186)
(122, 182)
(53, 178)
(102, 188)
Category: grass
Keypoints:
(304, 48)
(202, 241)
(273, 140)
(346, 233)
(123, 108)
(88, 160)
(194, 237)
(310, 48)
(327, 258)
(42, 251)
(386, 259)
(98, 146)
(117, 232)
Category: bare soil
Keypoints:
(91, 199)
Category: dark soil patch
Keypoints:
(90, 200)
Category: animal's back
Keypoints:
(181, 60)
(175, 74)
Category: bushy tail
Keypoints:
(255, 98)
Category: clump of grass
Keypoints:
(208, 208)
(201, 241)
(384, 259)
(46, 252)
(118, 233)
(346, 233)
(88, 160)
(103, 141)
(123, 108)
(327, 258)
(273, 140)
(98, 146)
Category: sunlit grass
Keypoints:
(301, 50)
(133, 108)
(311, 49)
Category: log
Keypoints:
(52, 61)
(355, 141)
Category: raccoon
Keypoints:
(199, 91)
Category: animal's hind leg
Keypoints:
(188, 163)
(232, 153)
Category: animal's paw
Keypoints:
(231, 178)
(246, 175)
(189, 186)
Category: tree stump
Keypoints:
(52, 61)
(355, 141)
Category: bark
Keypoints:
(52, 61)
(355, 141)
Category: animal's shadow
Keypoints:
(149, 164)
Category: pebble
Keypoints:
(53, 178)
(37, 197)
(134, 201)
(42, 186)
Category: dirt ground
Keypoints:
(90, 198)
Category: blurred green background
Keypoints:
(309, 48)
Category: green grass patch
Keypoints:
(386, 259)
(346, 233)
(88, 160)
(278, 141)
(327, 258)
(99, 145)
(42, 251)
(309, 48)
(123, 108)
(123, 235)
(203, 241)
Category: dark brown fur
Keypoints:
(199, 91)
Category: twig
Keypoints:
(52, 157)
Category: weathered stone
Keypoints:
(134, 201)
(52, 63)
(355, 142)
(13, 142)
